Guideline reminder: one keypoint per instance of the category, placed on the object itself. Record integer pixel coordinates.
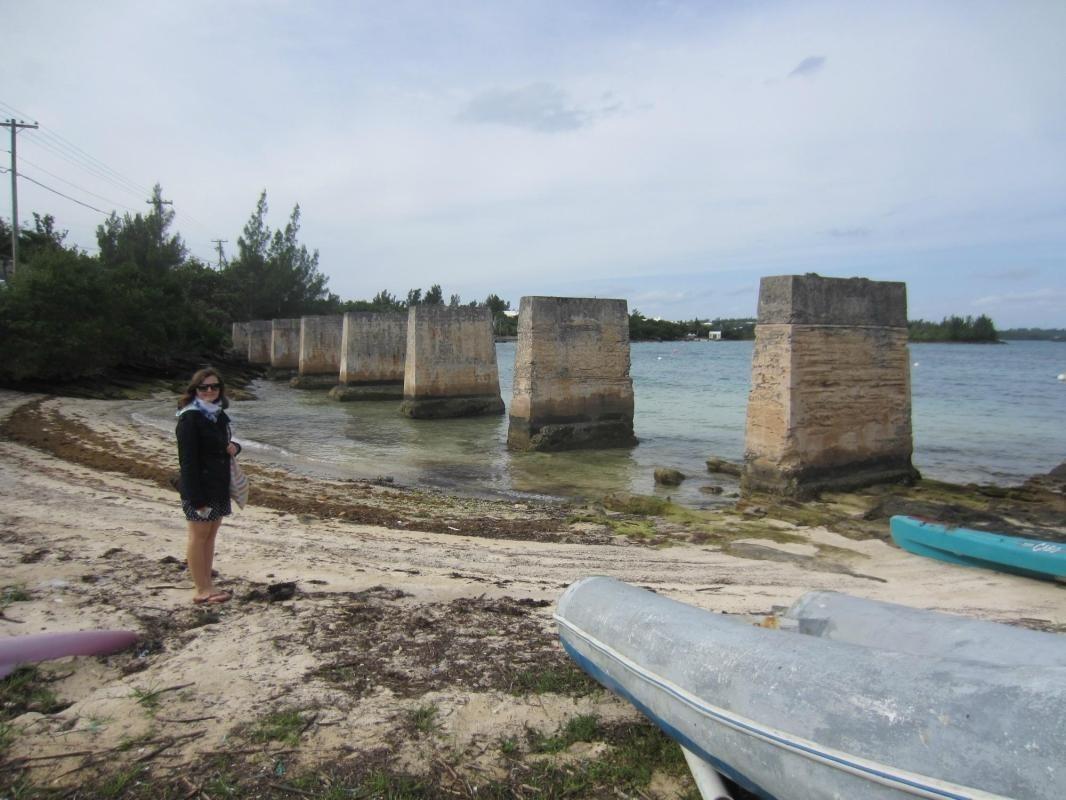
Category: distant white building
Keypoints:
(714, 336)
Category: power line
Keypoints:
(79, 188)
(59, 146)
(57, 143)
(56, 191)
(96, 172)
(14, 110)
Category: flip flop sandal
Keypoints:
(214, 598)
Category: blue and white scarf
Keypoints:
(209, 410)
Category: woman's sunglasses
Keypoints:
(209, 387)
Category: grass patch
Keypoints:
(423, 720)
(554, 679)
(583, 728)
(640, 529)
(116, 785)
(637, 751)
(638, 504)
(26, 689)
(281, 726)
(387, 786)
(7, 736)
(148, 699)
(13, 594)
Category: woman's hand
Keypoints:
(232, 449)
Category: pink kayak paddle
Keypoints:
(18, 650)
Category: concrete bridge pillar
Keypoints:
(373, 350)
(239, 338)
(450, 369)
(572, 387)
(320, 352)
(830, 402)
(285, 345)
(259, 333)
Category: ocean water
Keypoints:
(988, 414)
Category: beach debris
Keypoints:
(274, 593)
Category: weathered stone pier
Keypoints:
(320, 352)
(239, 338)
(572, 387)
(285, 345)
(259, 334)
(373, 353)
(830, 402)
(451, 363)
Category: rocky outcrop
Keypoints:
(665, 476)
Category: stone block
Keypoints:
(239, 339)
(813, 300)
(373, 353)
(259, 333)
(450, 368)
(285, 344)
(320, 346)
(572, 387)
(830, 404)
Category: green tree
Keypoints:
(497, 305)
(143, 240)
(953, 329)
(502, 325)
(984, 329)
(273, 275)
(643, 329)
(57, 319)
(435, 296)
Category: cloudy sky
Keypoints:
(669, 152)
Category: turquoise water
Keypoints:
(989, 414)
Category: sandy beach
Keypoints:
(416, 643)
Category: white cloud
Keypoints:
(538, 107)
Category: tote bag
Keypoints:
(238, 483)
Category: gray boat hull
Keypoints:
(793, 717)
(889, 626)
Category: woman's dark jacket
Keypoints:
(203, 458)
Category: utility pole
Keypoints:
(159, 205)
(221, 257)
(11, 123)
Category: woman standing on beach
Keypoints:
(204, 451)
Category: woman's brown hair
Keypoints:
(198, 377)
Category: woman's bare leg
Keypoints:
(209, 546)
(201, 543)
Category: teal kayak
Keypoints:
(1034, 558)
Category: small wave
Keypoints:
(270, 450)
(151, 422)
